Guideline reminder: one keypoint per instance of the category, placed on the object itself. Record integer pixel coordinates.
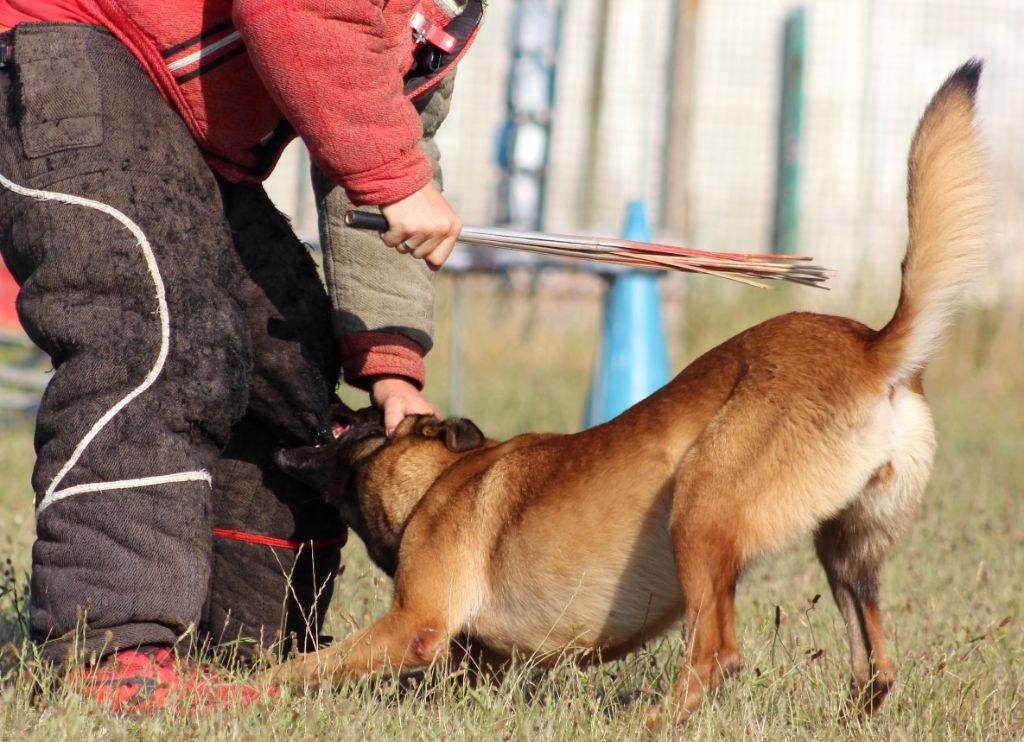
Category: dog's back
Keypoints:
(822, 405)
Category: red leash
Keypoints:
(280, 543)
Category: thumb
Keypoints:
(394, 413)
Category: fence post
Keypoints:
(787, 175)
(631, 361)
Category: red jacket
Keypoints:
(243, 73)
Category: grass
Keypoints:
(952, 590)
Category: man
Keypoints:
(187, 326)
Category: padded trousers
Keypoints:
(189, 335)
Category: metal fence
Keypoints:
(678, 102)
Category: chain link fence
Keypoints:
(677, 102)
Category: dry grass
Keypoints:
(952, 590)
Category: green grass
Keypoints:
(952, 590)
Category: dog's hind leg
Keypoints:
(707, 562)
(853, 544)
(852, 565)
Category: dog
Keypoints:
(594, 543)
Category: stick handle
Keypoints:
(366, 220)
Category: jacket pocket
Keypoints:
(58, 88)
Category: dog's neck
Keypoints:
(382, 520)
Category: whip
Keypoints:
(749, 269)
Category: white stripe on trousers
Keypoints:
(53, 494)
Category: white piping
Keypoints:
(52, 494)
(204, 51)
(123, 484)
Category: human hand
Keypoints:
(425, 223)
(396, 397)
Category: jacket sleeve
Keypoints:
(335, 71)
(382, 301)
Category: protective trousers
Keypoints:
(189, 336)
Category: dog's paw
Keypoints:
(665, 716)
(868, 697)
(655, 719)
(294, 675)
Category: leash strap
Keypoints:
(280, 543)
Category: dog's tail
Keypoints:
(948, 202)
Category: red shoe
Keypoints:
(150, 678)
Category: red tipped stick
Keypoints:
(749, 269)
(745, 268)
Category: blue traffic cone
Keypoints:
(632, 361)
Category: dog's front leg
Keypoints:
(400, 640)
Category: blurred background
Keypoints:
(739, 125)
(681, 104)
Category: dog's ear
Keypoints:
(459, 434)
(462, 434)
(312, 465)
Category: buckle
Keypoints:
(426, 32)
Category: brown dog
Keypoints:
(599, 541)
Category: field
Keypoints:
(952, 590)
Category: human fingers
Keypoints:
(441, 253)
(422, 221)
(436, 250)
(397, 397)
